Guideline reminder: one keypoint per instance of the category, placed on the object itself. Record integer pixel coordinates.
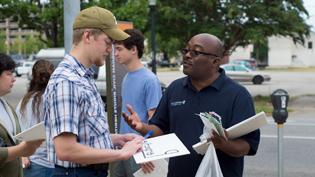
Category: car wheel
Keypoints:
(258, 80)
(17, 74)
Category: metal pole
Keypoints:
(153, 42)
(280, 150)
(7, 33)
(70, 10)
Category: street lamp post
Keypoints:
(152, 4)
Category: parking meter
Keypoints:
(280, 99)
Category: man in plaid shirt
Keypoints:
(78, 139)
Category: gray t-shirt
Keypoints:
(5, 118)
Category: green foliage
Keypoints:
(45, 17)
(235, 22)
(3, 46)
(32, 45)
(263, 103)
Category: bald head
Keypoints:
(210, 43)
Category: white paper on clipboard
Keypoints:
(36, 132)
(247, 126)
(160, 147)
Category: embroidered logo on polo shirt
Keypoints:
(178, 103)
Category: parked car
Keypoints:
(18, 59)
(249, 63)
(24, 68)
(241, 73)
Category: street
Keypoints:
(299, 131)
(296, 83)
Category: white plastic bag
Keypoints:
(209, 123)
(209, 166)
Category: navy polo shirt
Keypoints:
(177, 113)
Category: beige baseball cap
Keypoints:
(100, 18)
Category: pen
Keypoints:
(150, 133)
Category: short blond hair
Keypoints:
(77, 34)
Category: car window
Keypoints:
(240, 68)
(228, 68)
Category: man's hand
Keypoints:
(147, 167)
(218, 141)
(133, 119)
(28, 148)
(120, 139)
(131, 147)
(26, 162)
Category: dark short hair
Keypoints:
(6, 63)
(136, 39)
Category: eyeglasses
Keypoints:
(194, 53)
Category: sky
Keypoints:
(310, 6)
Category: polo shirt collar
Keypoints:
(82, 70)
(217, 84)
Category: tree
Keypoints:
(46, 17)
(3, 46)
(236, 23)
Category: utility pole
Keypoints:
(70, 10)
(7, 33)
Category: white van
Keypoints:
(24, 68)
(56, 55)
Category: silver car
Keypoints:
(241, 73)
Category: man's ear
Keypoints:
(86, 36)
(134, 49)
(216, 61)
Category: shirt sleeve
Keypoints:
(64, 108)
(153, 93)
(3, 155)
(161, 116)
(242, 110)
(21, 118)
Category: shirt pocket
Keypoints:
(95, 114)
(97, 126)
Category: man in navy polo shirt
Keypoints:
(206, 88)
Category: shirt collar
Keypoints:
(217, 84)
(82, 70)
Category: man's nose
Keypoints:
(109, 49)
(13, 79)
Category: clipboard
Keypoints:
(247, 126)
(36, 132)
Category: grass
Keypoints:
(167, 69)
(284, 69)
(263, 103)
(292, 69)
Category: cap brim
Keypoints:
(116, 34)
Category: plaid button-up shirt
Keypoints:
(72, 104)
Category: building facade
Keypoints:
(283, 52)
